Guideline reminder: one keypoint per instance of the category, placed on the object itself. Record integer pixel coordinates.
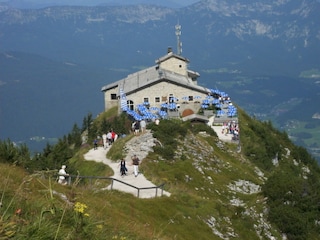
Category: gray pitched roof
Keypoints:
(151, 76)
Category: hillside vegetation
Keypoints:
(260, 189)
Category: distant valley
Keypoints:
(55, 60)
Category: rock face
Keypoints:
(140, 145)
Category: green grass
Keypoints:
(197, 176)
(116, 214)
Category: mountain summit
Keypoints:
(264, 53)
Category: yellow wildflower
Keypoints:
(80, 207)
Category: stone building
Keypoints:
(169, 85)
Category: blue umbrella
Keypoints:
(172, 106)
(223, 94)
(215, 91)
(220, 113)
(218, 105)
(163, 114)
(204, 106)
(135, 115)
(141, 108)
(164, 105)
(130, 112)
(232, 111)
(215, 101)
(148, 115)
(206, 101)
(154, 109)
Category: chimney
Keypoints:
(169, 50)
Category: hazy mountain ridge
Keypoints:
(36, 4)
(293, 24)
(285, 20)
(238, 33)
(248, 16)
(131, 14)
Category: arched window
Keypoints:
(130, 104)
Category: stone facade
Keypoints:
(168, 81)
(176, 64)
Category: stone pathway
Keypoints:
(140, 181)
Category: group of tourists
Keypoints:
(141, 126)
(231, 127)
(138, 126)
(107, 140)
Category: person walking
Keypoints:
(143, 125)
(109, 138)
(133, 127)
(104, 139)
(113, 136)
(95, 144)
(135, 162)
(123, 168)
(137, 128)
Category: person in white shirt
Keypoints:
(104, 139)
(109, 138)
(62, 175)
(143, 125)
(135, 163)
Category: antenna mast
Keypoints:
(178, 34)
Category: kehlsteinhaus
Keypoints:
(169, 85)
(167, 89)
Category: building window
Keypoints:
(171, 98)
(164, 99)
(113, 96)
(157, 99)
(130, 104)
(190, 98)
(146, 100)
(180, 66)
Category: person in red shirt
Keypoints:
(113, 135)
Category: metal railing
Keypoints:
(157, 188)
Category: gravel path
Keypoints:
(140, 181)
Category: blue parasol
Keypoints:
(206, 101)
(172, 106)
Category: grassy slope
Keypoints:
(198, 178)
